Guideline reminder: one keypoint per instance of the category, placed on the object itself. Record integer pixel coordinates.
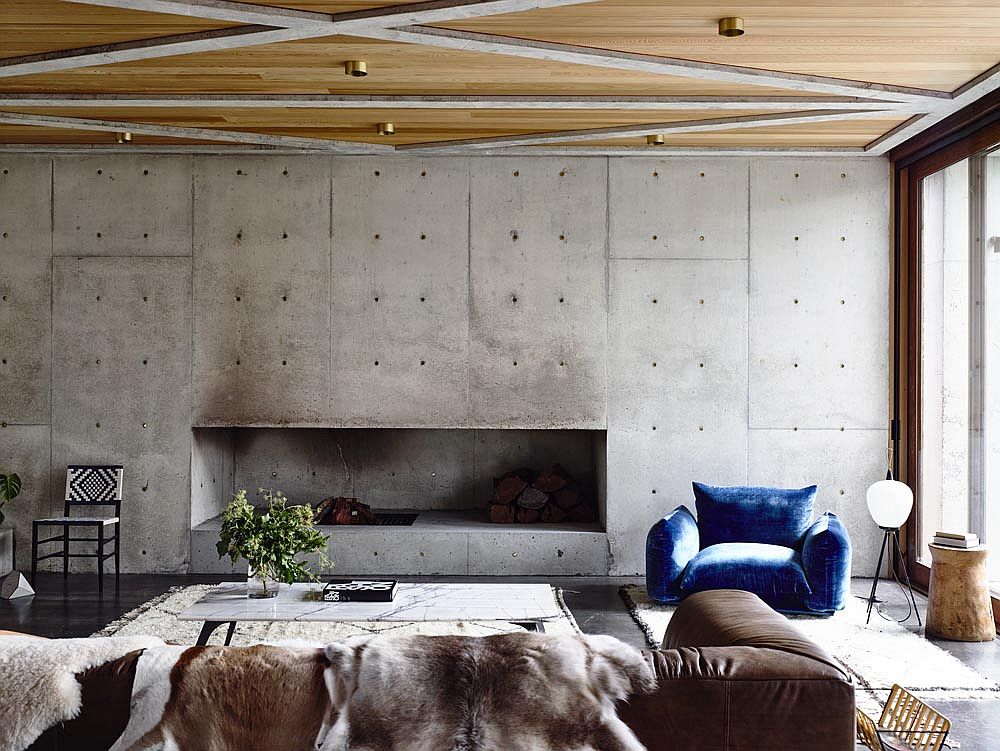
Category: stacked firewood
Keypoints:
(342, 510)
(524, 496)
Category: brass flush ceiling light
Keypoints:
(655, 140)
(731, 27)
(385, 129)
(356, 68)
(123, 136)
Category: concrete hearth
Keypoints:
(451, 543)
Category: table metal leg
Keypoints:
(209, 628)
(537, 626)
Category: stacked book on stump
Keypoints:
(956, 539)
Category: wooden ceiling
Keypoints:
(459, 76)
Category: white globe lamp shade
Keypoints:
(890, 503)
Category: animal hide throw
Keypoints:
(38, 685)
(510, 692)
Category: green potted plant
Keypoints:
(270, 540)
(10, 487)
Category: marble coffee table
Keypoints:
(528, 605)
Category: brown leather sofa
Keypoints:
(734, 675)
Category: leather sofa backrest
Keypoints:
(735, 675)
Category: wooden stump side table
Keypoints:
(959, 607)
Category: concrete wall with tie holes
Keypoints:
(723, 319)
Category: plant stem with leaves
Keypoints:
(270, 541)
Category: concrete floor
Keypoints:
(73, 608)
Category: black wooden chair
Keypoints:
(88, 486)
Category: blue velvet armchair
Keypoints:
(762, 540)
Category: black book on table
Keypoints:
(359, 590)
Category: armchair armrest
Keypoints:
(826, 560)
(671, 543)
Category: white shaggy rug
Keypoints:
(876, 655)
(158, 617)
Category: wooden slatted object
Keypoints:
(906, 724)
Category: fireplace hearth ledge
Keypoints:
(447, 543)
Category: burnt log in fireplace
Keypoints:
(342, 510)
(525, 496)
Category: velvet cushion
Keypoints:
(772, 516)
(772, 572)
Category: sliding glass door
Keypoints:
(958, 420)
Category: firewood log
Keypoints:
(502, 513)
(568, 498)
(532, 498)
(527, 515)
(552, 478)
(507, 488)
(552, 514)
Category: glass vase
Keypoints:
(261, 586)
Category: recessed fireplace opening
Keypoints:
(431, 488)
(409, 476)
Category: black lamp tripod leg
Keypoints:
(878, 568)
(906, 575)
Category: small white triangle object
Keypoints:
(15, 585)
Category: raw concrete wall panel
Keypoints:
(677, 404)
(262, 290)
(121, 380)
(678, 208)
(212, 455)
(400, 322)
(25, 305)
(136, 205)
(24, 449)
(843, 463)
(819, 293)
(538, 292)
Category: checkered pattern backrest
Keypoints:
(93, 485)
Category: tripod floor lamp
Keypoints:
(890, 503)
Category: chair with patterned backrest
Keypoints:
(88, 486)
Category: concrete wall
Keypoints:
(724, 320)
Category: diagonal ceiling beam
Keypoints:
(976, 88)
(197, 134)
(689, 126)
(268, 25)
(375, 23)
(144, 49)
(430, 11)
(719, 72)
(406, 101)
